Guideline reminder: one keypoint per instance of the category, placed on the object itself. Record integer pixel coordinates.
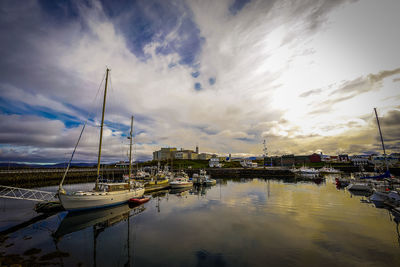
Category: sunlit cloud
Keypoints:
(223, 75)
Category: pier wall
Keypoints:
(29, 178)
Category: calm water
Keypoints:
(235, 223)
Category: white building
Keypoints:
(247, 163)
(360, 160)
(214, 162)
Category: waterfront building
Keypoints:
(315, 158)
(204, 156)
(381, 161)
(248, 163)
(172, 153)
(360, 160)
(165, 153)
(214, 163)
(344, 158)
(185, 154)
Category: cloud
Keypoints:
(223, 74)
(311, 92)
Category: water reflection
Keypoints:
(98, 219)
(238, 222)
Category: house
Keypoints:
(214, 163)
(315, 158)
(248, 163)
(344, 158)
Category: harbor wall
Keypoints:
(29, 178)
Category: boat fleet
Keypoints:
(131, 188)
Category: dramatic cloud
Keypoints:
(224, 75)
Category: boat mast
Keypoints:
(101, 129)
(130, 150)
(383, 144)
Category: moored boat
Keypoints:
(139, 200)
(329, 170)
(181, 180)
(105, 193)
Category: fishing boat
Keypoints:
(181, 180)
(105, 193)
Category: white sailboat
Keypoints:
(104, 193)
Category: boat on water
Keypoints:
(342, 182)
(202, 178)
(359, 186)
(329, 170)
(210, 181)
(105, 193)
(181, 180)
(139, 200)
(369, 182)
(306, 172)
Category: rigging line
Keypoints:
(80, 136)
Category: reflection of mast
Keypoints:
(129, 251)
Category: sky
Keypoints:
(224, 75)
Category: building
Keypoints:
(165, 153)
(214, 163)
(204, 156)
(360, 160)
(315, 158)
(344, 158)
(248, 163)
(185, 154)
(172, 153)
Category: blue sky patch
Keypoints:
(197, 86)
(211, 81)
(144, 22)
(237, 6)
(60, 10)
(10, 107)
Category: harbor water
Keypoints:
(240, 222)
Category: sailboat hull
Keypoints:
(94, 200)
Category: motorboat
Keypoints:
(329, 170)
(181, 180)
(210, 181)
(307, 172)
(359, 186)
(181, 183)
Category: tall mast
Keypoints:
(101, 129)
(130, 149)
(383, 144)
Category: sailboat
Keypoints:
(373, 181)
(386, 174)
(105, 193)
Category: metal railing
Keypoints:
(26, 194)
